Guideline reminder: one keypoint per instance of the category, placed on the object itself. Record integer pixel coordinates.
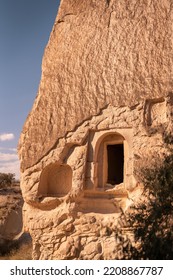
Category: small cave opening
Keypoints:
(56, 180)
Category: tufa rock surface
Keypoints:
(102, 106)
(99, 53)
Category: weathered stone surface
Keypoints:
(82, 223)
(11, 224)
(106, 80)
(99, 53)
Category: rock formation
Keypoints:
(11, 224)
(103, 100)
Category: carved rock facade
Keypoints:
(103, 102)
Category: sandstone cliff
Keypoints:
(99, 53)
(103, 103)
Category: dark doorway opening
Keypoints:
(115, 164)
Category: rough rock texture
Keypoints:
(99, 53)
(11, 223)
(82, 223)
(106, 82)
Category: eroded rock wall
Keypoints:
(106, 80)
(99, 53)
(82, 223)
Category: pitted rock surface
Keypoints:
(106, 81)
(99, 53)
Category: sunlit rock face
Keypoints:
(103, 101)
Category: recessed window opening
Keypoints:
(115, 161)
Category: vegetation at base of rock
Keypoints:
(24, 252)
(152, 217)
(6, 179)
(16, 249)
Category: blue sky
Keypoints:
(25, 26)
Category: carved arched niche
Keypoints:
(55, 180)
(109, 162)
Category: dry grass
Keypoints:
(23, 253)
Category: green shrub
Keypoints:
(6, 179)
(152, 219)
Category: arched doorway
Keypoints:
(110, 158)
